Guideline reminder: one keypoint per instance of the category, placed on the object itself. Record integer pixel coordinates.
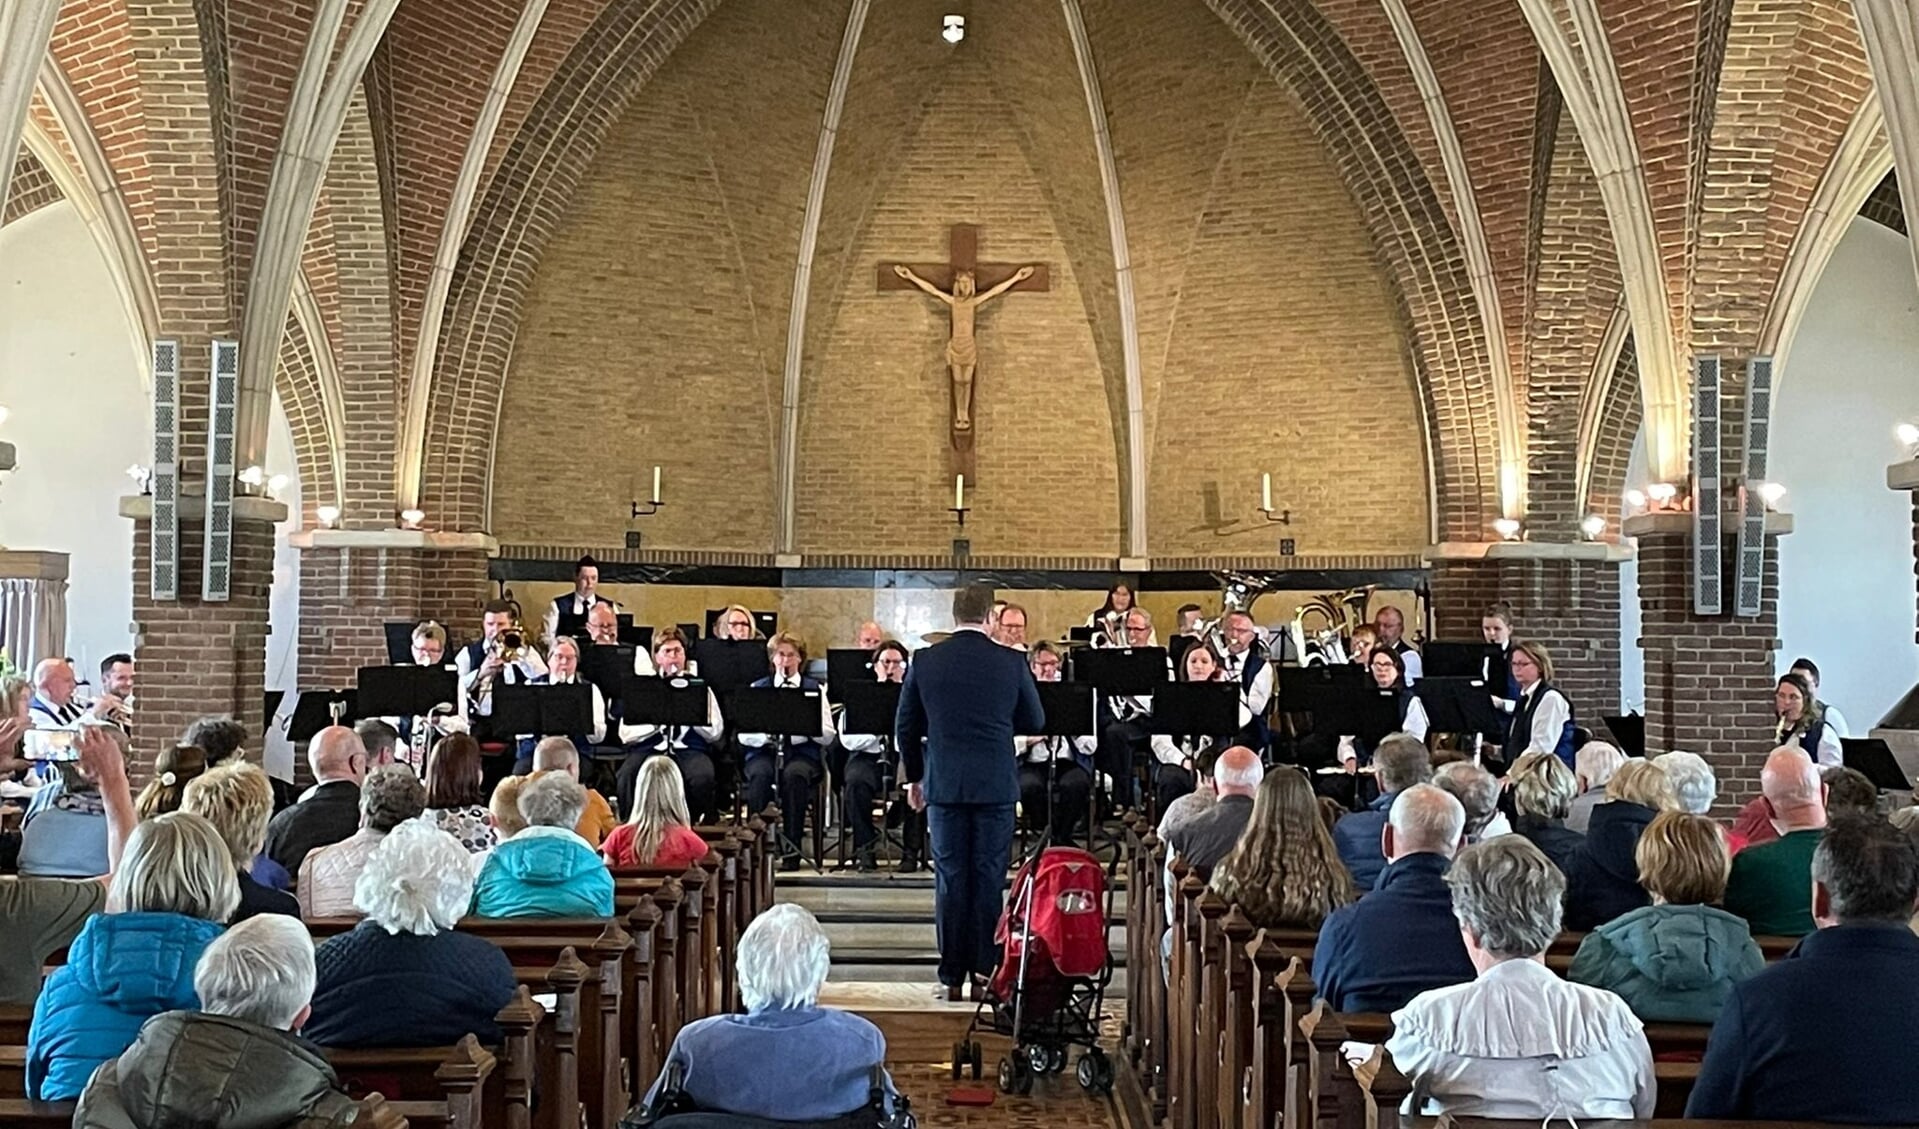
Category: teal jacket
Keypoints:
(1671, 964)
(544, 872)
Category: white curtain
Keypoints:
(33, 620)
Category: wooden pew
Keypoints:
(18, 1113)
(1235, 1017)
(469, 1085)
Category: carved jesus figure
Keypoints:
(962, 350)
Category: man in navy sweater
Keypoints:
(967, 698)
(1827, 1033)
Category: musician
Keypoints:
(563, 669)
(583, 599)
(1246, 666)
(1392, 631)
(1179, 760)
(481, 663)
(1542, 717)
(1009, 630)
(1111, 616)
(1067, 763)
(116, 691)
(863, 779)
(55, 706)
(417, 734)
(1496, 627)
(736, 623)
(1808, 670)
(869, 637)
(1126, 733)
(1389, 673)
(690, 748)
(429, 644)
(1802, 721)
(603, 630)
(1365, 638)
(1187, 621)
(799, 765)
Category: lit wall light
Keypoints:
(142, 478)
(4, 413)
(1507, 528)
(254, 477)
(1662, 495)
(327, 515)
(1907, 434)
(1593, 527)
(276, 484)
(411, 519)
(1772, 493)
(1635, 500)
(953, 28)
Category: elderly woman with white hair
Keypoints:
(404, 977)
(235, 1061)
(170, 898)
(546, 870)
(1593, 766)
(1518, 1041)
(825, 1057)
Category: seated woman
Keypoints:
(1285, 871)
(238, 801)
(1675, 960)
(546, 870)
(1604, 880)
(504, 808)
(403, 977)
(862, 772)
(1180, 762)
(391, 796)
(660, 832)
(170, 898)
(456, 792)
(798, 768)
(1055, 773)
(690, 747)
(1593, 768)
(64, 833)
(1518, 1041)
(1388, 670)
(173, 770)
(826, 1056)
(1542, 789)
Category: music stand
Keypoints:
(637, 636)
(1178, 645)
(1195, 709)
(1376, 716)
(1454, 658)
(1630, 732)
(310, 711)
(846, 666)
(732, 665)
(405, 691)
(690, 630)
(399, 642)
(1874, 758)
(607, 666)
(571, 624)
(1070, 714)
(871, 707)
(1133, 671)
(542, 710)
(1458, 704)
(1082, 634)
(666, 702)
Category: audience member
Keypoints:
(1211, 835)
(1518, 1041)
(1400, 762)
(1849, 791)
(558, 754)
(391, 796)
(1478, 792)
(1694, 787)
(1284, 872)
(220, 738)
(1770, 885)
(456, 792)
(783, 960)
(237, 800)
(660, 832)
(504, 808)
(236, 1062)
(1593, 765)
(173, 770)
(64, 831)
(380, 740)
(330, 810)
(172, 892)
(404, 977)
(1604, 880)
(1676, 960)
(1827, 1035)
(545, 870)
(1543, 789)
(40, 916)
(1400, 939)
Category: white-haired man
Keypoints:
(1400, 939)
(1771, 884)
(824, 1058)
(236, 1061)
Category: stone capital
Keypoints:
(1903, 476)
(193, 507)
(1679, 522)
(1605, 552)
(420, 539)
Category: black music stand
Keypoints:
(671, 703)
(1178, 645)
(571, 624)
(1191, 710)
(541, 710)
(1453, 658)
(1459, 704)
(847, 666)
(731, 665)
(311, 711)
(871, 706)
(1070, 714)
(781, 712)
(399, 641)
(1081, 634)
(1874, 758)
(608, 666)
(1630, 732)
(405, 691)
(1376, 715)
(1131, 671)
(637, 636)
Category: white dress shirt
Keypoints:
(1549, 720)
(785, 682)
(1260, 695)
(572, 602)
(1039, 750)
(676, 734)
(1415, 666)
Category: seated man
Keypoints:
(798, 765)
(236, 1061)
(1769, 886)
(1478, 792)
(1210, 835)
(557, 754)
(825, 1056)
(1401, 762)
(55, 705)
(330, 810)
(546, 870)
(1827, 1034)
(1401, 939)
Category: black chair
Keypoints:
(671, 1109)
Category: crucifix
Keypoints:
(964, 284)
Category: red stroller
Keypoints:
(1048, 991)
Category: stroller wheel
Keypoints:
(1056, 1060)
(974, 1056)
(1095, 1072)
(1014, 1077)
(1038, 1060)
(959, 1060)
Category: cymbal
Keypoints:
(936, 637)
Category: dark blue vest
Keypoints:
(809, 749)
(1521, 733)
(1257, 735)
(563, 605)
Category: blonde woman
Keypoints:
(1542, 716)
(659, 833)
(1543, 789)
(1285, 871)
(173, 770)
(237, 800)
(1604, 882)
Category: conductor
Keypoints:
(967, 697)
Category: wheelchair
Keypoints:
(672, 1109)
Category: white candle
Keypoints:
(1266, 492)
(959, 492)
(656, 486)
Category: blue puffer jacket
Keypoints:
(122, 970)
(544, 872)
(1671, 964)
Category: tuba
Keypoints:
(1334, 616)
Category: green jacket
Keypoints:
(191, 1070)
(1671, 964)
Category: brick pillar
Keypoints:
(1564, 596)
(1905, 477)
(353, 582)
(1709, 679)
(198, 658)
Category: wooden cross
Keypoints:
(983, 283)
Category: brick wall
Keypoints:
(1570, 607)
(30, 189)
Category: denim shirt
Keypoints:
(748, 1064)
